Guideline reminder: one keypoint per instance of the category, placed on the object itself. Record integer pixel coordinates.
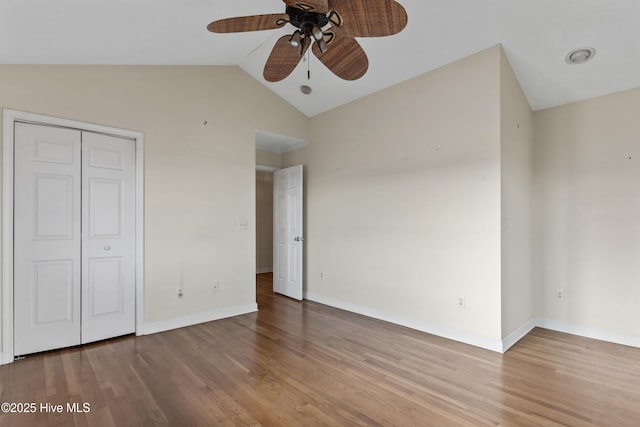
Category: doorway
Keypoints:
(283, 256)
(72, 221)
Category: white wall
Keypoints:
(516, 126)
(587, 174)
(199, 177)
(403, 202)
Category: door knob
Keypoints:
(299, 239)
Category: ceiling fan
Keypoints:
(329, 25)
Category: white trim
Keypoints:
(588, 332)
(294, 147)
(7, 237)
(263, 270)
(11, 116)
(139, 232)
(194, 319)
(518, 334)
(265, 168)
(452, 334)
(277, 143)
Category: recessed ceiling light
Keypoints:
(305, 89)
(580, 55)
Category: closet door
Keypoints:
(108, 242)
(46, 238)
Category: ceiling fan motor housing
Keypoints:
(305, 20)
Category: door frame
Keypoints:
(9, 118)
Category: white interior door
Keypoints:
(46, 238)
(108, 236)
(74, 237)
(288, 241)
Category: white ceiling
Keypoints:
(535, 34)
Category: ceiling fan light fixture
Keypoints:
(296, 39)
(322, 46)
(580, 55)
(334, 18)
(317, 33)
(328, 37)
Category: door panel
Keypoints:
(104, 157)
(105, 287)
(52, 150)
(53, 292)
(53, 198)
(105, 206)
(108, 244)
(46, 238)
(288, 239)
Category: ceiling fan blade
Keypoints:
(370, 18)
(320, 6)
(283, 60)
(344, 57)
(249, 23)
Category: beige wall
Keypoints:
(587, 173)
(403, 202)
(199, 177)
(267, 158)
(264, 221)
(516, 162)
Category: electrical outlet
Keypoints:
(243, 224)
(559, 294)
(322, 274)
(180, 292)
(461, 302)
(216, 286)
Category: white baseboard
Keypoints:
(499, 346)
(194, 319)
(452, 334)
(518, 334)
(261, 270)
(588, 332)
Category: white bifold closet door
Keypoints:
(74, 237)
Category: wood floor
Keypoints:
(299, 364)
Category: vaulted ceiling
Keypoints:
(535, 34)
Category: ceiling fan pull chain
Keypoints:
(308, 65)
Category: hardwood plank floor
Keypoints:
(294, 364)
